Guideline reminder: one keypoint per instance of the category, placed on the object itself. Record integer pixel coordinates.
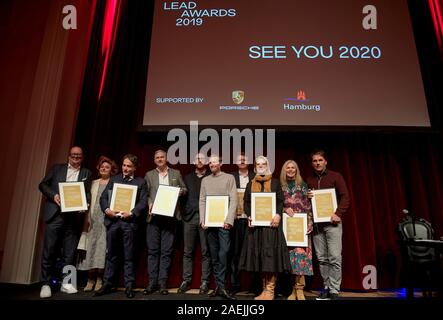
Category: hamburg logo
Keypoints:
(300, 103)
(238, 96)
(301, 96)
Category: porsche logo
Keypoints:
(238, 96)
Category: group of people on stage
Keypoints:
(261, 251)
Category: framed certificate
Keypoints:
(324, 204)
(165, 200)
(295, 229)
(72, 196)
(216, 210)
(263, 207)
(241, 195)
(123, 197)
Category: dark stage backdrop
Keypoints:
(385, 171)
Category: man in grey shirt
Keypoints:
(219, 184)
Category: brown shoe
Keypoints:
(299, 286)
(293, 295)
(300, 294)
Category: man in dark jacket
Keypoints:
(192, 229)
(61, 228)
(121, 227)
(238, 231)
(328, 235)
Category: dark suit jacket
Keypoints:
(251, 175)
(152, 181)
(192, 198)
(49, 187)
(141, 199)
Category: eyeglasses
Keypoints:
(76, 155)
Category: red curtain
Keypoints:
(436, 10)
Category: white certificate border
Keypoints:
(317, 219)
(173, 206)
(123, 186)
(226, 209)
(303, 216)
(63, 207)
(255, 195)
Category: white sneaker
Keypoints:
(45, 292)
(68, 288)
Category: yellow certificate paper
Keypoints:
(165, 200)
(324, 204)
(295, 229)
(72, 196)
(123, 197)
(216, 210)
(240, 208)
(263, 208)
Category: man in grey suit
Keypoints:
(61, 229)
(160, 230)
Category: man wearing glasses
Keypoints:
(61, 229)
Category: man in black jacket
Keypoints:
(191, 228)
(242, 176)
(62, 228)
(121, 226)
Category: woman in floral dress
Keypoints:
(296, 201)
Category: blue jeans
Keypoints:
(219, 243)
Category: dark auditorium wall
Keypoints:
(385, 170)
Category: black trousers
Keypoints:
(61, 233)
(118, 233)
(238, 232)
(160, 233)
(191, 231)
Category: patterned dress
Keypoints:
(96, 238)
(296, 198)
